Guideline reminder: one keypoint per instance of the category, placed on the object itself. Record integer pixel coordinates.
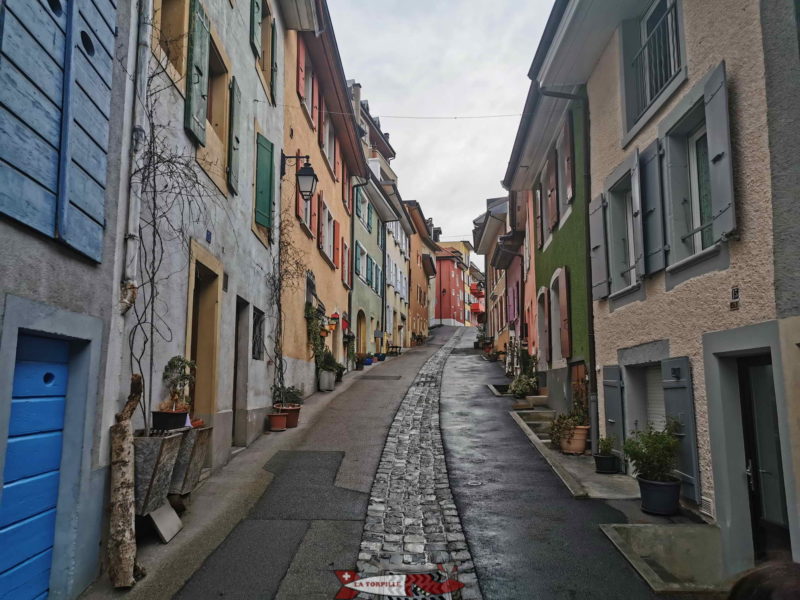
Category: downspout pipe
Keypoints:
(130, 282)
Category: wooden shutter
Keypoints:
(196, 105)
(652, 209)
(544, 343)
(357, 259)
(234, 136)
(314, 216)
(315, 96)
(264, 181)
(676, 376)
(345, 260)
(273, 70)
(370, 212)
(539, 217)
(358, 201)
(299, 203)
(597, 248)
(723, 210)
(612, 400)
(569, 158)
(552, 191)
(337, 261)
(563, 310)
(369, 270)
(638, 220)
(301, 67)
(255, 26)
(337, 160)
(321, 133)
(320, 222)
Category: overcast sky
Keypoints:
(426, 58)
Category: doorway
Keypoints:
(203, 347)
(765, 481)
(241, 364)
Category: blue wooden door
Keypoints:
(32, 464)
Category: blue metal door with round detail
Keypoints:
(32, 467)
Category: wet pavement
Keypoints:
(528, 536)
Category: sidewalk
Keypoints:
(351, 421)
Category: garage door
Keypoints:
(32, 464)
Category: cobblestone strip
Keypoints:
(412, 522)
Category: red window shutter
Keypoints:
(336, 245)
(299, 203)
(314, 215)
(321, 222)
(314, 101)
(563, 310)
(569, 149)
(337, 160)
(552, 191)
(544, 343)
(301, 67)
(320, 126)
(539, 219)
(344, 187)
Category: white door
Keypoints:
(656, 414)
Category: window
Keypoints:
(652, 61)
(361, 259)
(264, 43)
(700, 185)
(216, 111)
(621, 253)
(328, 137)
(259, 342)
(345, 262)
(171, 24)
(308, 96)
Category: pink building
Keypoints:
(450, 268)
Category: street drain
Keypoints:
(382, 377)
(474, 483)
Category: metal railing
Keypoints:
(657, 62)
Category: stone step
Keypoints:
(540, 400)
(540, 427)
(538, 414)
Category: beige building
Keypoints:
(693, 235)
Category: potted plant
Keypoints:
(572, 430)
(327, 366)
(277, 419)
(604, 459)
(381, 356)
(523, 385)
(286, 401)
(492, 356)
(340, 369)
(359, 361)
(368, 359)
(654, 454)
(173, 412)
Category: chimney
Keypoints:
(356, 99)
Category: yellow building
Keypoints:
(319, 123)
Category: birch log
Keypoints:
(122, 531)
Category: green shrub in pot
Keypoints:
(654, 455)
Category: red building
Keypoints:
(450, 295)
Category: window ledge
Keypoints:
(565, 215)
(304, 110)
(695, 258)
(304, 228)
(663, 97)
(327, 258)
(625, 291)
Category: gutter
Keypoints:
(134, 201)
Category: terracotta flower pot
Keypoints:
(292, 412)
(277, 421)
(575, 443)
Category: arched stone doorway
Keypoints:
(361, 332)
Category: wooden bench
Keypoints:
(395, 350)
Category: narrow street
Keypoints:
(367, 489)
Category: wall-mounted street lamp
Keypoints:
(306, 178)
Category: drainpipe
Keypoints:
(134, 200)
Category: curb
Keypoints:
(573, 485)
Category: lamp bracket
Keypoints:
(285, 159)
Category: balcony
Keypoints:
(476, 290)
(477, 307)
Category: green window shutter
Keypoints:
(196, 105)
(255, 26)
(264, 182)
(369, 217)
(358, 202)
(273, 74)
(358, 259)
(234, 136)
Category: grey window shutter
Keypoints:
(715, 95)
(597, 251)
(273, 71)
(255, 26)
(612, 399)
(196, 106)
(544, 343)
(652, 208)
(234, 136)
(638, 222)
(676, 378)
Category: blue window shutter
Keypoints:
(196, 105)
(676, 378)
(54, 118)
(718, 133)
(652, 208)
(597, 248)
